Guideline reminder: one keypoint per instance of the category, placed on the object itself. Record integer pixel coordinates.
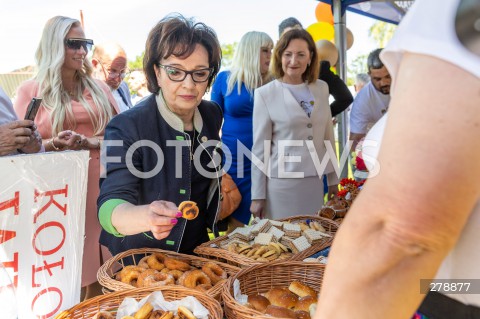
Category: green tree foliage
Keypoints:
(358, 65)
(227, 54)
(382, 32)
(137, 63)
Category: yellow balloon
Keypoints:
(327, 51)
(321, 31)
(350, 39)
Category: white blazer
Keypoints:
(278, 118)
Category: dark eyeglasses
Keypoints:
(76, 44)
(178, 75)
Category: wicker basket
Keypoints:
(211, 248)
(106, 273)
(261, 278)
(111, 301)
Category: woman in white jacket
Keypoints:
(292, 133)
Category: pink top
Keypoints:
(91, 251)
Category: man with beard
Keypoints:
(110, 65)
(371, 103)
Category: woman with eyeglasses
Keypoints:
(233, 91)
(291, 130)
(168, 146)
(74, 112)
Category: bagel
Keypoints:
(155, 261)
(193, 278)
(129, 275)
(203, 288)
(214, 272)
(189, 209)
(158, 279)
(103, 315)
(176, 264)
(143, 262)
(176, 274)
(144, 274)
(284, 298)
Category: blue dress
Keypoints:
(237, 126)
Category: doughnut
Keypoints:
(185, 313)
(144, 311)
(302, 290)
(144, 274)
(302, 314)
(103, 315)
(189, 209)
(258, 302)
(176, 264)
(303, 303)
(214, 272)
(155, 261)
(158, 279)
(280, 312)
(194, 278)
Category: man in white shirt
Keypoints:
(371, 103)
(110, 65)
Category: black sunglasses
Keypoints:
(467, 25)
(76, 44)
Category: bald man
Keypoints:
(109, 61)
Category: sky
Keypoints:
(128, 22)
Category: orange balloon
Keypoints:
(323, 12)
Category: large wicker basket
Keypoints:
(212, 250)
(106, 273)
(111, 301)
(261, 278)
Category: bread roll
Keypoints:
(258, 302)
(303, 304)
(302, 314)
(280, 312)
(302, 290)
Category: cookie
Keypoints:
(189, 209)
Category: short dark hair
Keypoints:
(311, 73)
(288, 23)
(178, 36)
(373, 60)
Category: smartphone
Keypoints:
(467, 25)
(32, 108)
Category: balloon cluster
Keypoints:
(323, 34)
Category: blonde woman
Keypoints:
(73, 115)
(233, 91)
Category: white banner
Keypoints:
(42, 226)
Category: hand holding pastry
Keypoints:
(162, 216)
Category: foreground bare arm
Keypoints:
(408, 217)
